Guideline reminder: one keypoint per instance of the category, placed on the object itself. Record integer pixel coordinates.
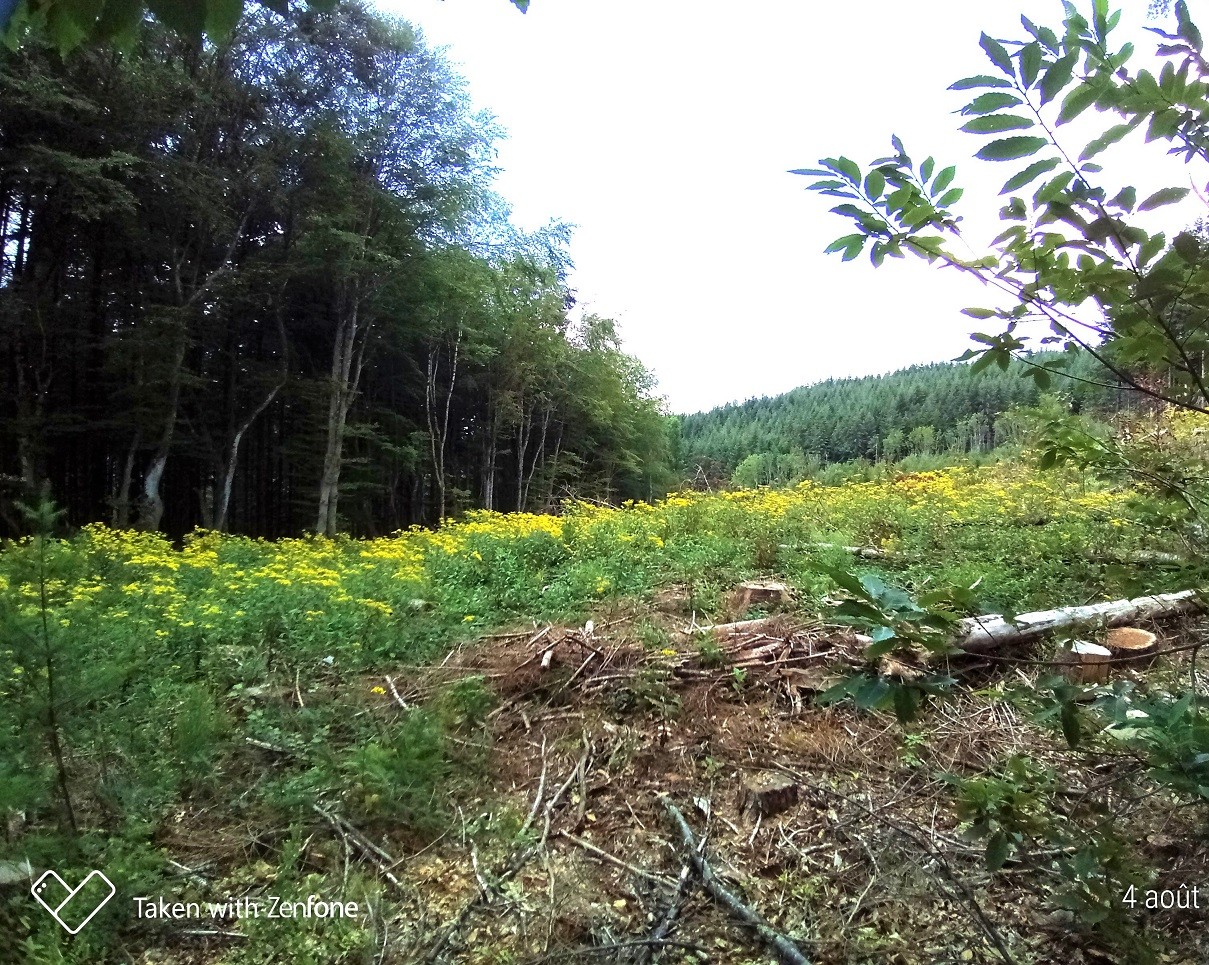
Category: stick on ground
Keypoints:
(785, 950)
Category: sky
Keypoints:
(664, 133)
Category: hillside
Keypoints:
(922, 409)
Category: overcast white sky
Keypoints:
(664, 132)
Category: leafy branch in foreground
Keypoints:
(901, 629)
(69, 23)
(1072, 252)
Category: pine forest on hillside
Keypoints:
(925, 410)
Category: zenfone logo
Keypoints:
(73, 908)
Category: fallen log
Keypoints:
(984, 634)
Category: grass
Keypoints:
(150, 666)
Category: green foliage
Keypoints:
(1016, 812)
(70, 23)
(897, 625)
(1011, 811)
(1075, 239)
(1168, 730)
(943, 412)
(401, 775)
(709, 653)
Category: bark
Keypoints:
(121, 501)
(151, 512)
(348, 358)
(227, 468)
(438, 424)
(985, 634)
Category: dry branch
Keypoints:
(685, 886)
(375, 854)
(784, 949)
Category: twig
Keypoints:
(613, 859)
(684, 887)
(541, 789)
(615, 946)
(980, 916)
(785, 950)
(375, 854)
(210, 933)
(478, 875)
(394, 692)
(519, 859)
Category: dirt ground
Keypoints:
(835, 827)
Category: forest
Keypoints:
(265, 287)
(362, 603)
(942, 409)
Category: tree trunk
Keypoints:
(348, 357)
(986, 634)
(151, 510)
(438, 428)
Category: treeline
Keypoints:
(925, 410)
(265, 287)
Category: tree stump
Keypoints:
(1087, 663)
(768, 794)
(763, 593)
(1132, 642)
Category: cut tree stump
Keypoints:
(765, 593)
(1132, 642)
(765, 795)
(1088, 662)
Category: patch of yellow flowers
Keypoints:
(219, 587)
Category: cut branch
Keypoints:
(784, 949)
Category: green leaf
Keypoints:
(1076, 102)
(845, 168)
(221, 17)
(1030, 173)
(186, 17)
(1105, 140)
(1162, 197)
(944, 179)
(906, 703)
(998, 849)
(1070, 723)
(950, 197)
(119, 21)
(995, 123)
(875, 183)
(1057, 76)
(841, 243)
(980, 80)
(979, 312)
(1030, 63)
(1187, 246)
(990, 101)
(1011, 148)
(1126, 198)
(850, 211)
(998, 56)
(871, 693)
